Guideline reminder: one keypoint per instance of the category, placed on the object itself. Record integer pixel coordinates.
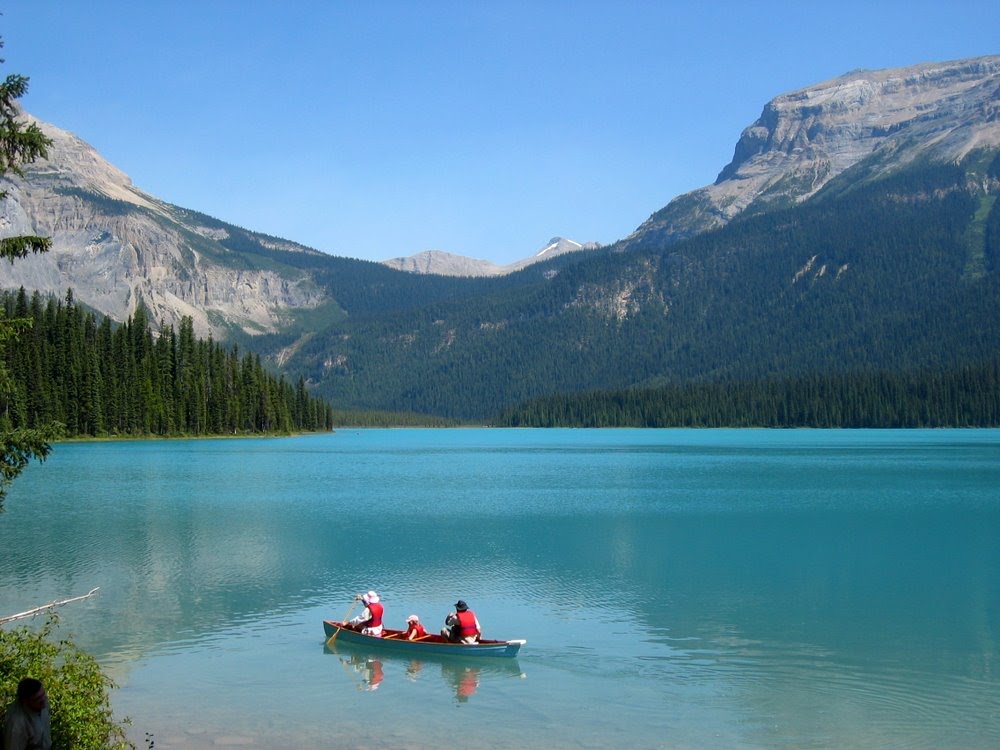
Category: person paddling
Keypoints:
(369, 622)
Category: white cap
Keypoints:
(370, 598)
(413, 618)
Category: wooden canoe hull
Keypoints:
(394, 640)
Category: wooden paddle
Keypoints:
(333, 637)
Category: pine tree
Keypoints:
(20, 144)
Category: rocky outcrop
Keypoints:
(118, 247)
(806, 138)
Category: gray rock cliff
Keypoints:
(118, 247)
(806, 138)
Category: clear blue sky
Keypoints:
(379, 129)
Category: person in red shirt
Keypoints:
(369, 621)
(462, 625)
(414, 629)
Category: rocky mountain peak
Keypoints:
(74, 163)
(805, 138)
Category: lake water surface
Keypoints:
(677, 588)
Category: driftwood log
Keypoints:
(52, 605)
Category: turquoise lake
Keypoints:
(677, 588)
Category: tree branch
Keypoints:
(36, 610)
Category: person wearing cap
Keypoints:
(26, 723)
(414, 629)
(369, 622)
(462, 625)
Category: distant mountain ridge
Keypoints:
(447, 264)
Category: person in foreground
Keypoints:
(414, 629)
(462, 626)
(369, 622)
(26, 724)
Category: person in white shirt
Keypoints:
(369, 621)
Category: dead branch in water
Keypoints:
(36, 610)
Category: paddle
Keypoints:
(333, 637)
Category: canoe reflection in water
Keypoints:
(371, 670)
(463, 676)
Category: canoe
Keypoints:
(395, 640)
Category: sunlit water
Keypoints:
(677, 589)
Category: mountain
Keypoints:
(856, 229)
(896, 275)
(804, 139)
(446, 264)
(887, 259)
(119, 247)
(443, 264)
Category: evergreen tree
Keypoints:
(20, 144)
(102, 379)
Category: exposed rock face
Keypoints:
(118, 247)
(446, 264)
(806, 138)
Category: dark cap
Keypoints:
(461, 606)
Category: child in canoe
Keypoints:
(414, 629)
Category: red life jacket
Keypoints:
(415, 627)
(466, 624)
(376, 616)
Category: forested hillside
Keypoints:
(894, 274)
(966, 397)
(101, 379)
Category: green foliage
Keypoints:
(20, 143)
(98, 379)
(13, 248)
(77, 688)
